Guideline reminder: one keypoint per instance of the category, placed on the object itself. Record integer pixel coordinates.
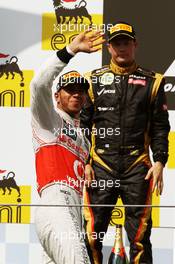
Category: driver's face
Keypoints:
(71, 99)
(122, 50)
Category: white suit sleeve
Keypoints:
(42, 107)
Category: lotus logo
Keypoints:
(67, 10)
(8, 183)
(10, 68)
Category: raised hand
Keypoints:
(87, 41)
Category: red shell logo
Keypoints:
(69, 0)
(2, 171)
(3, 55)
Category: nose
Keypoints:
(122, 46)
(78, 95)
(78, 92)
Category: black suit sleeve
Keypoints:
(160, 126)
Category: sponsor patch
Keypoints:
(119, 27)
(100, 151)
(105, 108)
(71, 74)
(107, 78)
(137, 82)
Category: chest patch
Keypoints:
(137, 81)
(107, 78)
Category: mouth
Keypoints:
(122, 55)
(76, 101)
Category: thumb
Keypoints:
(149, 174)
(88, 173)
(92, 174)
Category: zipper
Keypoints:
(122, 121)
(124, 89)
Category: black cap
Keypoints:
(72, 77)
(121, 29)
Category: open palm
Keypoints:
(87, 41)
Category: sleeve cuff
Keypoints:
(161, 156)
(64, 55)
(70, 51)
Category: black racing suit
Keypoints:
(125, 114)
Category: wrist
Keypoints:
(64, 55)
(69, 50)
(159, 163)
(160, 156)
(72, 49)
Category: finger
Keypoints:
(149, 174)
(82, 35)
(96, 46)
(96, 35)
(88, 175)
(95, 49)
(89, 178)
(88, 182)
(98, 41)
(87, 30)
(158, 189)
(161, 187)
(93, 174)
(154, 184)
(161, 190)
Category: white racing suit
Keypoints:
(61, 152)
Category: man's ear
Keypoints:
(109, 47)
(57, 96)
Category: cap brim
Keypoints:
(121, 34)
(80, 80)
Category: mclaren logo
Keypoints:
(67, 10)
